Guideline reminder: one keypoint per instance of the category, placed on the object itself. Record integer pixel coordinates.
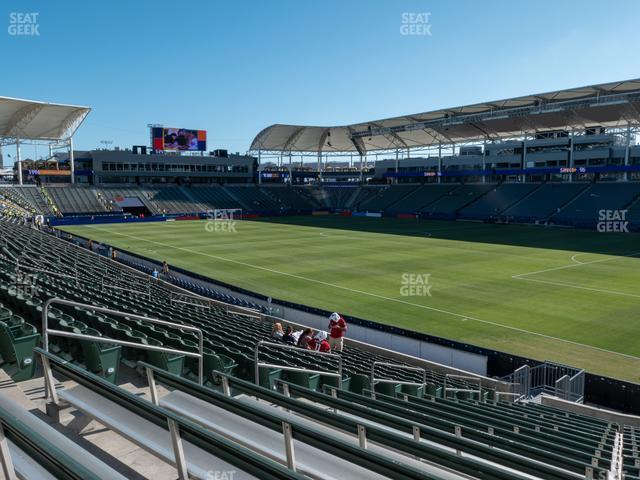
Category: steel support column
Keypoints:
(397, 165)
(439, 162)
(72, 161)
(626, 152)
(19, 161)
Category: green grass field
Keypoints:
(558, 294)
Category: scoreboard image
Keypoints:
(178, 139)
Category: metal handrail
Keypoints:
(235, 309)
(59, 301)
(138, 275)
(507, 394)
(457, 389)
(115, 287)
(398, 382)
(48, 272)
(259, 365)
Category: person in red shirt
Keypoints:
(337, 329)
(319, 343)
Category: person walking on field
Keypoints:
(337, 329)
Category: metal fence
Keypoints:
(550, 378)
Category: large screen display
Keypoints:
(182, 139)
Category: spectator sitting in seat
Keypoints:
(305, 338)
(296, 336)
(319, 342)
(289, 335)
(277, 332)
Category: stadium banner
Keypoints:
(320, 212)
(407, 216)
(374, 214)
(52, 173)
(178, 139)
(517, 171)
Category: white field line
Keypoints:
(338, 235)
(572, 265)
(578, 263)
(580, 287)
(575, 260)
(425, 307)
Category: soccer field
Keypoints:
(557, 294)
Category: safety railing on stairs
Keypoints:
(259, 365)
(46, 332)
(375, 380)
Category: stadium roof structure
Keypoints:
(33, 120)
(608, 104)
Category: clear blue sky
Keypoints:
(234, 67)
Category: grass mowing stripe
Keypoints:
(458, 315)
(357, 265)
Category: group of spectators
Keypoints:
(308, 339)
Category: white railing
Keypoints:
(467, 379)
(259, 365)
(375, 380)
(46, 331)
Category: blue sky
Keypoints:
(234, 67)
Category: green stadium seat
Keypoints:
(101, 358)
(216, 362)
(269, 377)
(306, 380)
(415, 390)
(390, 389)
(167, 361)
(16, 348)
(359, 382)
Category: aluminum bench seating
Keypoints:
(310, 460)
(209, 408)
(572, 435)
(521, 456)
(557, 450)
(146, 425)
(437, 448)
(40, 452)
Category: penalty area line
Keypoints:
(573, 265)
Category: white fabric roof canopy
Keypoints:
(608, 104)
(33, 120)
